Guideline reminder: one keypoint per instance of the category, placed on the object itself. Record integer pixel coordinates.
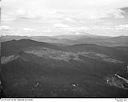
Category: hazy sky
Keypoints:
(56, 17)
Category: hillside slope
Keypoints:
(38, 69)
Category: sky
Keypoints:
(64, 17)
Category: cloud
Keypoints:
(6, 28)
(90, 8)
(116, 13)
(29, 29)
(7, 18)
(122, 27)
(64, 15)
(114, 28)
(61, 25)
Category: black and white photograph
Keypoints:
(64, 49)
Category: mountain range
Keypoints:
(31, 68)
(75, 39)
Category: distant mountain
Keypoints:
(9, 37)
(75, 39)
(116, 52)
(15, 46)
(99, 40)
